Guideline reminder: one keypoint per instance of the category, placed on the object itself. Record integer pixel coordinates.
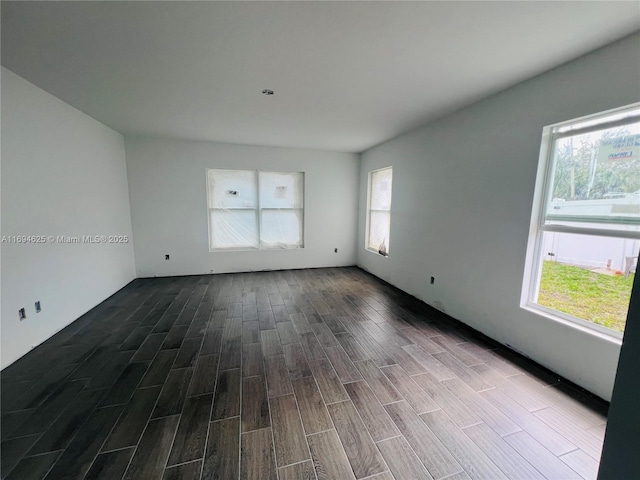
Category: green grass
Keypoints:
(595, 297)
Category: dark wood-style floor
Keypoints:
(305, 374)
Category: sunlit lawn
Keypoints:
(602, 299)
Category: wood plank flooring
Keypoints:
(304, 374)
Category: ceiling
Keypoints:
(346, 75)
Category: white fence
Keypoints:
(589, 251)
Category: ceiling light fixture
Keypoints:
(267, 91)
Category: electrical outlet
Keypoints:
(22, 314)
(166, 257)
(38, 307)
(433, 280)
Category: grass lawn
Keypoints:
(592, 296)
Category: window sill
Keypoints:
(575, 323)
(375, 252)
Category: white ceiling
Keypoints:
(346, 75)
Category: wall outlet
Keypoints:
(433, 280)
(38, 307)
(166, 257)
(22, 314)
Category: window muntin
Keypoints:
(255, 210)
(379, 211)
(586, 216)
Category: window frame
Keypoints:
(369, 210)
(257, 209)
(543, 194)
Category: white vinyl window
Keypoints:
(585, 225)
(379, 211)
(255, 210)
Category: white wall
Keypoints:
(167, 184)
(462, 195)
(63, 173)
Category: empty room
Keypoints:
(320, 240)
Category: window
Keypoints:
(585, 225)
(379, 211)
(255, 210)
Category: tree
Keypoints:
(580, 176)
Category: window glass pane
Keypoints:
(233, 228)
(381, 189)
(596, 179)
(281, 228)
(587, 276)
(232, 188)
(593, 185)
(379, 227)
(234, 197)
(281, 189)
